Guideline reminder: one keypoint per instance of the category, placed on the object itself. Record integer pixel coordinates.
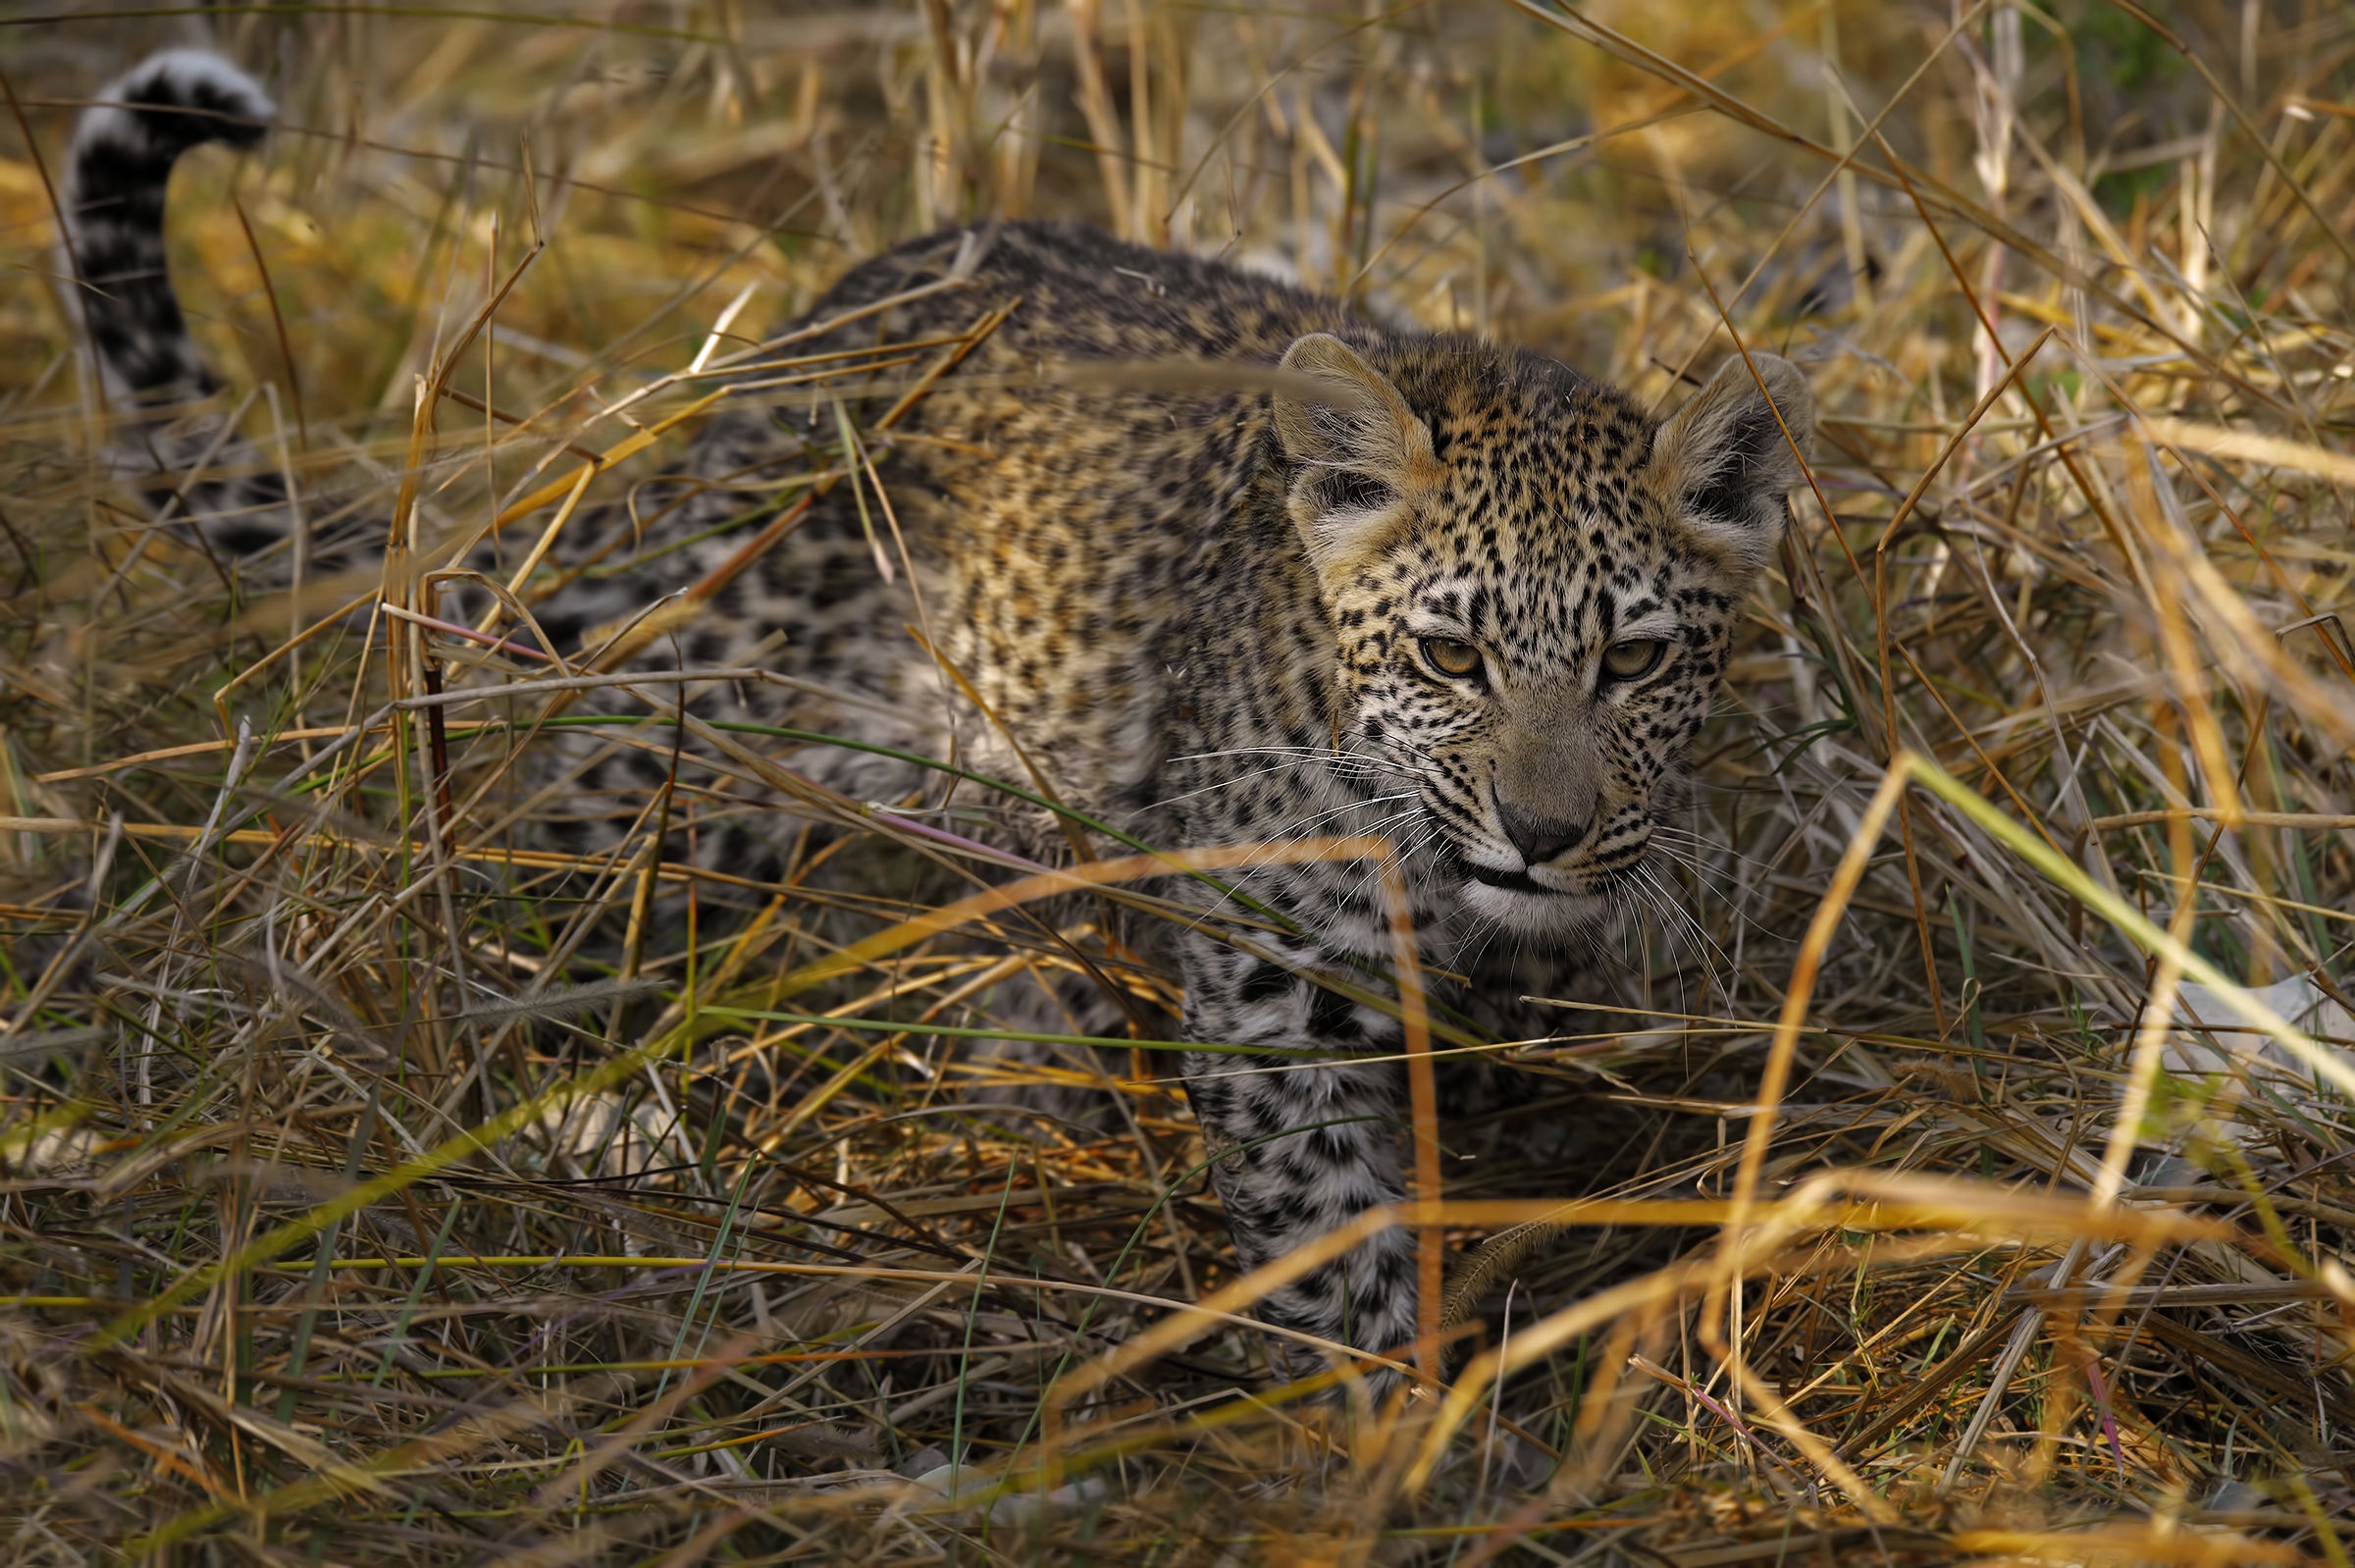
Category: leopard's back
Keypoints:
(1085, 501)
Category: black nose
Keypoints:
(1538, 839)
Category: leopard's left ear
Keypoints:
(1724, 459)
(1358, 452)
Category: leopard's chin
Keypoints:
(1535, 911)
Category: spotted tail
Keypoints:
(120, 162)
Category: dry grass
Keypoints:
(377, 1188)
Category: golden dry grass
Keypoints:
(1967, 1181)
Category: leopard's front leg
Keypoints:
(1301, 1146)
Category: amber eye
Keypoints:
(1451, 657)
(1634, 659)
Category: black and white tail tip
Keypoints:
(120, 162)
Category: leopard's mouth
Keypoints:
(1513, 881)
(1489, 876)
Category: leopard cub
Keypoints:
(1232, 564)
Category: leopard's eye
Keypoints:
(1634, 659)
(1451, 657)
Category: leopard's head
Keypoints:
(1533, 585)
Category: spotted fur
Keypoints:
(1193, 536)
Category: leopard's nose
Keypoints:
(1538, 839)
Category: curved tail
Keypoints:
(123, 154)
(120, 162)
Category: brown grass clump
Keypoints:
(1972, 1174)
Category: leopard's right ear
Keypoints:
(1358, 453)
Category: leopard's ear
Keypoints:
(1723, 460)
(1357, 452)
